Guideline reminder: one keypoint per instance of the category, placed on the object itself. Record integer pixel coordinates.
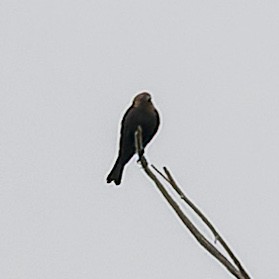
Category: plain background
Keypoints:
(69, 70)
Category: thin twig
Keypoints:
(160, 173)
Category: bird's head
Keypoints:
(143, 98)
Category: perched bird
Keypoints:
(141, 113)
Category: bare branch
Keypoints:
(193, 229)
(206, 221)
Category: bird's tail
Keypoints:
(116, 173)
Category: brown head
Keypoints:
(142, 99)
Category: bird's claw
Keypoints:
(140, 153)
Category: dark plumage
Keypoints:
(143, 113)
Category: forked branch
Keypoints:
(237, 270)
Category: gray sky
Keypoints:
(69, 70)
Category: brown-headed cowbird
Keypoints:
(141, 113)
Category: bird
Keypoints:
(141, 113)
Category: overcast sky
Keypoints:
(69, 70)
